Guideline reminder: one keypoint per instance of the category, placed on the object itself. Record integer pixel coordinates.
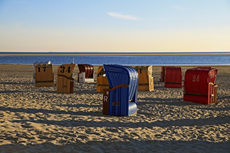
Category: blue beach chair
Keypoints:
(121, 98)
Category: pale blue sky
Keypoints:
(115, 25)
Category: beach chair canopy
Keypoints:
(88, 69)
(66, 70)
(197, 79)
(118, 75)
(143, 73)
(210, 73)
(173, 77)
(145, 78)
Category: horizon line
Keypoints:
(117, 54)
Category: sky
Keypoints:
(114, 25)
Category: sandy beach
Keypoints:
(37, 119)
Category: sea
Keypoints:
(124, 58)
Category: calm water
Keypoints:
(123, 60)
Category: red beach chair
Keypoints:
(199, 85)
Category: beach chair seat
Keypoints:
(121, 98)
(199, 85)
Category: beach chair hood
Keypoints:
(118, 75)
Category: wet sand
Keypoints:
(37, 119)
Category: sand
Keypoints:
(37, 119)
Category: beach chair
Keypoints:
(36, 63)
(121, 98)
(102, 80)
(173, 77)
(65, 82)
(44, 76)
(145, 79)
(199, 85)
(86, 73)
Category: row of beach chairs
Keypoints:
(199, 83)
(45, 76)
(120, 84)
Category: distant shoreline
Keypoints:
(114, 54)
(182, 65)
